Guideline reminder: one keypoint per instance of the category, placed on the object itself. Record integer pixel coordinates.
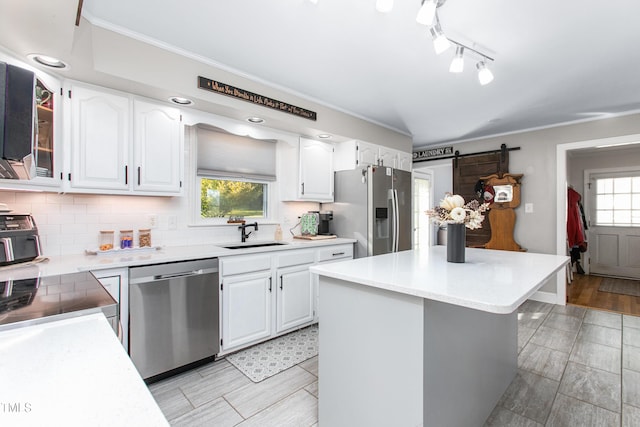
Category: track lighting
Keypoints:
(457, 64)
(427, 12)
(485, 76)
(384, 6)
(440, 41)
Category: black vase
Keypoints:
(456, 241)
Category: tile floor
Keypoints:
(577, 367)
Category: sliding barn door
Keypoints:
(467, 171)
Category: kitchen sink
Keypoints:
(253, 245)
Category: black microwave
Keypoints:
(17, 122)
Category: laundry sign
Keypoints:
(432, 153)
(234, 92)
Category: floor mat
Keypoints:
(266, 359)
(620, 286)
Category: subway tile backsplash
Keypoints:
(71, 223)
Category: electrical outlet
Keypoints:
(152, 220)
(172, 222)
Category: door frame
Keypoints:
(423, 174)
(561, 204)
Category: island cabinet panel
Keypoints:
(116, 282)
(246, 308)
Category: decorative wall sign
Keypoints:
(432, 153)
(234, 92)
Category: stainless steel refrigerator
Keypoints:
(373, 206)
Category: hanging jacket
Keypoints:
(575, 229)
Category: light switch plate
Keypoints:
(172, 222)
(528, 207)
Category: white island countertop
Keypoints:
(71, 372)
(490, 280)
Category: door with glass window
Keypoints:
(614, 223)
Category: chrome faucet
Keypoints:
(243, 229)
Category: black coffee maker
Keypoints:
(323, 223)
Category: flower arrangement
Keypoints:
(453, 210)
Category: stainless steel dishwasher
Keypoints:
(173, 315)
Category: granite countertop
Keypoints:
(72, 372)
(122, 259)
(490, 280)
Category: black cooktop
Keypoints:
(43, 297)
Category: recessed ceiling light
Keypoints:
(48, 61)
(255, 120)
(181, 101)
(324, 136)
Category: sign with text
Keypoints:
(234, 92)
(432, 153)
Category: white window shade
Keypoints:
(223, 154)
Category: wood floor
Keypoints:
(583, 291)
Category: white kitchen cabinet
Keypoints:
(245, 299)
(268, 294)
(246, 308)
(306, 171)
(295, 297)
(122, 145)
(404, 161)
(356, 154)
(116, 282)
(157, 145)
(100, 139)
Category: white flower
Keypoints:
(450, 202)
(458, 214)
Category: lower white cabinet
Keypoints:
(295, 297)
(246, 308)
(269, 294)
(116, 282)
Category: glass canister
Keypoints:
(144, 237)
(126, 239)
(106, 240)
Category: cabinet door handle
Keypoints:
(280, 282)
(269, 284)
(138, 175)
(337, 253)
(126, 174)
(303, 188)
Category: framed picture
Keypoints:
(503, 193)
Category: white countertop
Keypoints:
(81, 262)
(71, 372)
(489, 280)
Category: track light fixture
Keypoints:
(427, 12)
(485, 75)
(384, 6)
(440, 41)
(457, 64)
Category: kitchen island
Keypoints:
(408, 339)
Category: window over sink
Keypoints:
(234, 178)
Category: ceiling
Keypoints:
(555, 62)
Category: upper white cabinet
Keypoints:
(157, 147)
(355, 154)
(100, 139)
(306, 171)
(122, 145)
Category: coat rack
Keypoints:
(502, 217)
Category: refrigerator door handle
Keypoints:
(395, 222)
